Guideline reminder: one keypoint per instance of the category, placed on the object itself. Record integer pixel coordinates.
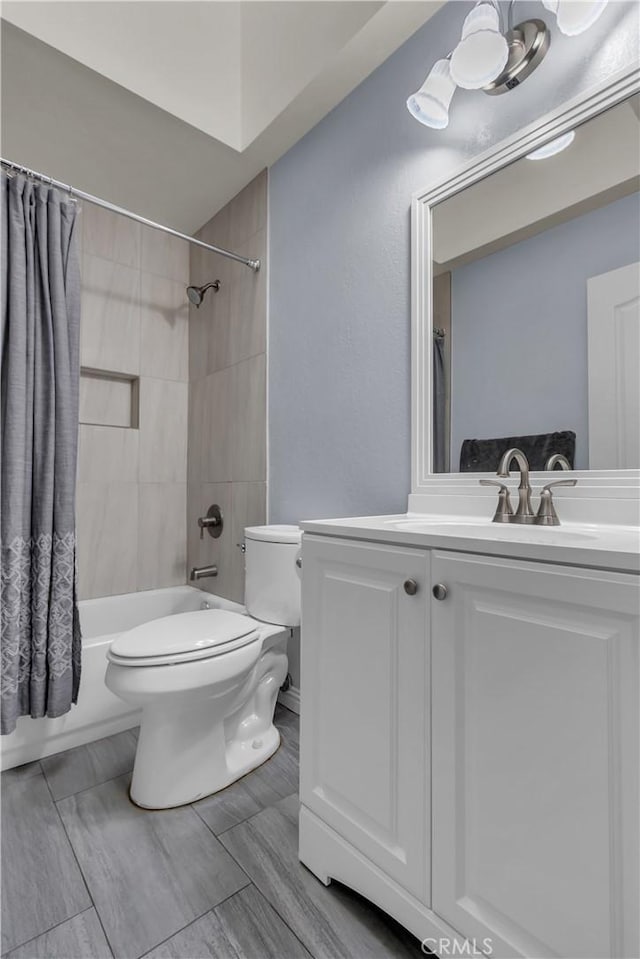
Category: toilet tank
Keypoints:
(272, 590)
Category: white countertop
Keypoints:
(598, 546)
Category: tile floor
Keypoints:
(88, 875)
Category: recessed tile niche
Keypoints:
(109, 399)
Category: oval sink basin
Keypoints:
(500, 532)
(435, 520)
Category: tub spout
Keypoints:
(199, 572)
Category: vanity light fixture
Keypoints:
(495, 56)
(430, 104)
(553, 146)
(575, 16)
(482, 52)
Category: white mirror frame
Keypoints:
(593, 484)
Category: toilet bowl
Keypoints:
(207, 681)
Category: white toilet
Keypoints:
(207, 681)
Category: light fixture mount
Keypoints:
(528, 42)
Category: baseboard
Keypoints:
(329, 857)
(290, 698)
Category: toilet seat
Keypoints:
(183, 638)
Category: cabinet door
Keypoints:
(535, 757)
(365, 701)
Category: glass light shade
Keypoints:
(551, 5)
(576, 16)
(482, 52)
(430, 104)
(553, 146)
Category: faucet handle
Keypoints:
(546, 515)
(213, 522)
(569, 482)
(504, 510)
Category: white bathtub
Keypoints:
(98, 712)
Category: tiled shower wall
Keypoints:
(131, 496)
(227, 389)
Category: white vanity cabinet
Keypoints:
(513, 822)
(366, 703)
(535, 756)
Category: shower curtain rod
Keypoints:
(81, 195)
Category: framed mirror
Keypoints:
(526, 311)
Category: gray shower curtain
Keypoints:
(39, 414)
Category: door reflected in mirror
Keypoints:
(536, 307)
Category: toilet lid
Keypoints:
(274, 534)
(187, 636)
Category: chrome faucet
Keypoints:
(546, 515)
(199, 572)
(557, 460)
(524, 513)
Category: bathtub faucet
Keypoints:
(199, 572)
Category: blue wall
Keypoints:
(339, 303)
(519, 328)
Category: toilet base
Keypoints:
(191, 746)
(242, 758)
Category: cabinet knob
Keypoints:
(410, 587)
(440, 591)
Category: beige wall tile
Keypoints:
(209, 334)
(219, 325)
(248, 211)
(165, 255)
(248, 508)
(194, 507)
(134, 321)
(110, 326)
(197, 263)
(248, 306)
(110, 236)
(164, 328)
(248, 413)
(205, 551)
(163, 431)
(107, 455)
(217, 230)
(107, 527)
(237, 270)
(198, 343)
(227, 406)
(196, 445)
(162, 546)
(107, 401)
(217, 427)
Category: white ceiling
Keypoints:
(169, 107)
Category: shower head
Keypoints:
(196, 293)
